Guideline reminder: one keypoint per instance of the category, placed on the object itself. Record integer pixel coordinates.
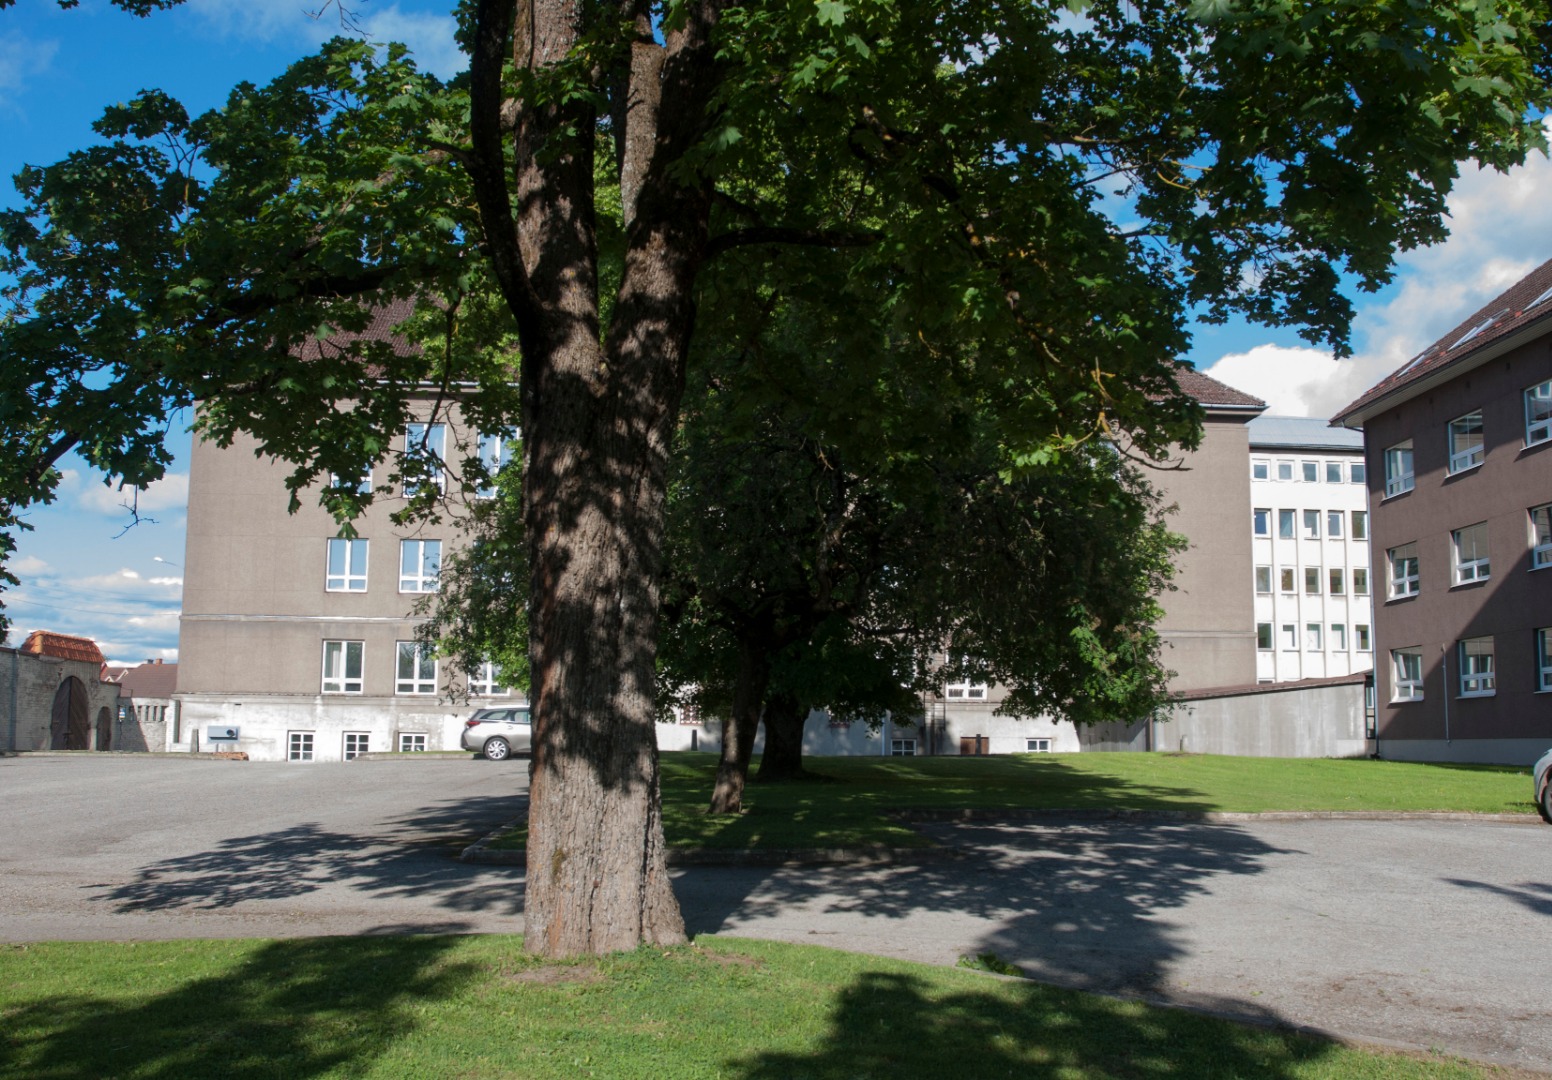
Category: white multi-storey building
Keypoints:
(1310, 539)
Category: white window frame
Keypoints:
(1406, 666)
(1469, 455)
(1260, 469)
(1335, 520)
(1037, 746)
(1360, 525)
(1338, 637)
(1478, 567)
(902, 747)
(1399, 476)
(1405, 571)
(1336, 581)
(421, 680)
(1264, 581)
(1311, 472)
(1358, 473)
(299, 745)
(485, 681)
(427, 443)
(1475, 662)
(1311, 525)
(965, 691)
(1314, 637)
(362, 486)
(348, 579)
(412, 742)
(1540, 536)
(1264, 641)
(1287, 582)
(1361, 640)
(1538, 413)
(354, 743)
(495, 453)
(1333, 472)
(1285, 470)
(1312, 581)
(1289, 637)
(337, 678)
(1360, 581)
(1544, 660)
(1286, 524)
(420, 565)
(1261, 521)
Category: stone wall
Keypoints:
(27, 687)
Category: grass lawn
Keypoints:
(844, 805)
(474, 1007)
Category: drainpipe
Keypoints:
(1444, 666)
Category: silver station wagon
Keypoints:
(498, 733)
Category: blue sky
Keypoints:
(85, 571)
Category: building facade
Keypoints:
(1309, 527)
(1459, 450)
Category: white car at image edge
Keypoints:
(1541, 786)
(498, 733)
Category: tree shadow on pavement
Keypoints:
(886, 1024)
(415, 857)
(289, 1009)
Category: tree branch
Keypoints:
(776, 234)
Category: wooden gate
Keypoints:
(104, 729)
(974, 745)
(69, 726)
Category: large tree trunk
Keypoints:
(783, 756)
(739, 728)
(597, 417)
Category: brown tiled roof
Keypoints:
(1212, 393)
(145, 680)
(1528, 301)
(385, 320)
(62, 646)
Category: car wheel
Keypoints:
(1545, 803)
(497, 748)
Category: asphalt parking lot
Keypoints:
(1426, 933)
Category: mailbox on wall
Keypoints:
(220, 733)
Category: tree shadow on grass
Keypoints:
(416, 857)
(890, 1025)
(289, 1009)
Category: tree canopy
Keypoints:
(1060, 182)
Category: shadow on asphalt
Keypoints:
(1533, 896)
(1077, 904)
(416, 857)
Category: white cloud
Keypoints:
(171, 492)
(1499, 224)
(428, 34)
(23, 60)
(164, 621)
(125, 583)
(27, 565)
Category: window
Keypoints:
(425, 449)
(1290, 636)
(420, 564)
(1540, 537)
(1285, 470)
(1538, 413)
(1285, 524)
(1466, 442)
(485, 681)
(1037, 746)
(1334, 520)
(1404, 577)
(1544, 658)
(299, 746)
(1333, 472)
(1312, 636)
(346, 569)
(1312, 581)
(1360, 524)
(1475, 658)
(495, 452)
(1263, 579)
(1335, 579)
(1361, 638)
(1312, 524)
(902, 747)
(1358, 472)
(1286, 576)
(412, 742)
(1470, 545)
(1264, 636)
(355, 744)
(1261, 522)
(1398, 469)
(361, 485)
(1361, 581)
(416, 670)
(1311, 472)
(1339, 636)
(342, 667)
(965, 691)
(1260, 470)
(1408, 678)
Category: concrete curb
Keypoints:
(418, 756)
(1210, 817)
(141, 755)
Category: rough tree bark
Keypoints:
(739, 727)
(597, 415)
(783, 756)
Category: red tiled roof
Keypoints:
(1212, 393)
(1528, 301)
(385, 320)
(62, 646)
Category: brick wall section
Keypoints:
(27, 688)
